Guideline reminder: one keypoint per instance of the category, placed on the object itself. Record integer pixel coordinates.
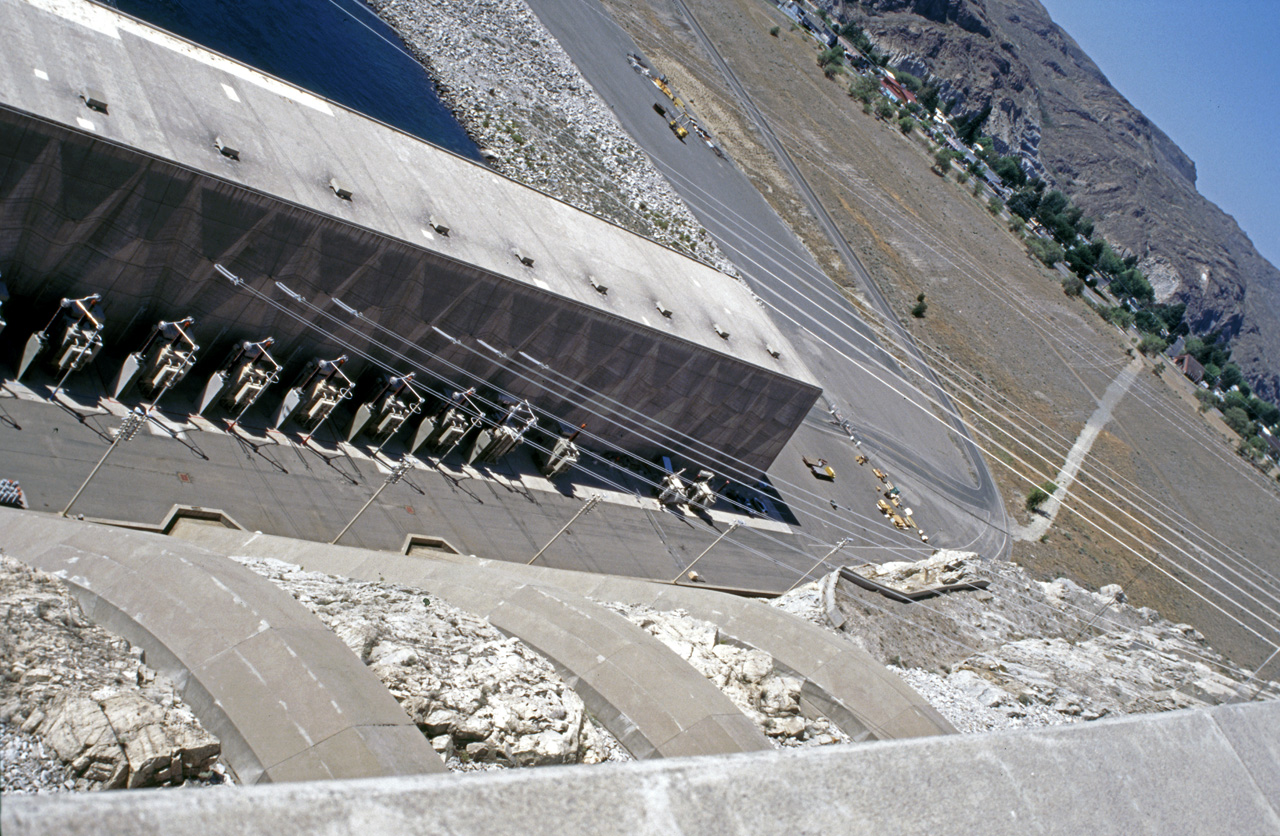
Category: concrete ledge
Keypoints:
(285, 696)
(654, 702)
(860, 695)
(1205, 771)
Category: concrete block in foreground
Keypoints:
(1205, 771)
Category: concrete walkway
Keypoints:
(1207, 771)
(860, 695)
(654, 702)
(1076, 455)
(288, 700)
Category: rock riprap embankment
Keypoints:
(1023, 652)
(484, 700)
(746, 676)
(73, 694)
(520, 97)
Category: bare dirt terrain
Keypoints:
(1026, 362)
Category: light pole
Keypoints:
(821, 560)
(397, 473)
(586, 506)
(128, 429)
(723, 535)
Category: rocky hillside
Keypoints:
(1053, 105)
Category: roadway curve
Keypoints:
(986, 492)
(811, 311)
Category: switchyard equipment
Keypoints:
(314, 395)
(245, 375)
(445, 429)
(440, 251)
(700, 494)
(501, 432)
(671, 491)
(385, 413)
(554, 450)
(161, 363)
(76, 328)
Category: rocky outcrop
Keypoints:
(537, 120)
(485, 700)
(1022, 652)
(748, 677)
(88, 698)
(1053, 105)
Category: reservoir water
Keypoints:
(337, 48)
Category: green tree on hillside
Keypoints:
(1238, 420)
(929, 98)
(968, 130)
(1266, 413)
(1009, 171)
(864, 88)
(831, 61)
(1152, 344)
(1047, 251)
(1231, 376)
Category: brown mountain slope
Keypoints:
(1051, 103)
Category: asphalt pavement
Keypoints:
(892, 418)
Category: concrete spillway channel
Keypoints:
(286, 697)
(291, 702)
(553, 611)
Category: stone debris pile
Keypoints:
(28, 766)
(485, 700)
(538, 121)
(747, 677)
(74, 691)
(943, 568)
(1023, 652)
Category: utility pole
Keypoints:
(1261, 683)
(128, 429)
(397, 473)
(821, 560)
(587, 506)
(723, 535)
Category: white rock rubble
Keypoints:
(485, 700)
(1022, 652)
(520, 97)
(72, 693)
(747, 677)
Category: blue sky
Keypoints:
(1208, 74)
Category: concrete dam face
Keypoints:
(134, 173)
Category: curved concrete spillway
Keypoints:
(655, 703)
(554, 611)
(288, 700)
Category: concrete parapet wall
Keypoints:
(1206, 771)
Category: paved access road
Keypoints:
(906, 434)
(270, 482)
